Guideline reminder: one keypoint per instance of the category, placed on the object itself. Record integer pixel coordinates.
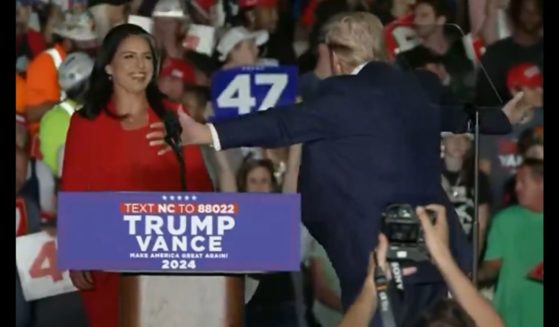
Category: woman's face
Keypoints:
(259, 180)
(456, 146)
(132, 66)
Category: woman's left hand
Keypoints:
(156, 137)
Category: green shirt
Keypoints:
(516, 238)
(52, 133)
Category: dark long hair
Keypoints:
(101, 87)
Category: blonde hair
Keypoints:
(356, 38)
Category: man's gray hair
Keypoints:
(356, 37)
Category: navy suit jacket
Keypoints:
(370, 140)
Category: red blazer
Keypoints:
(101, 156)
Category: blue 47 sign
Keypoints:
(243, 90)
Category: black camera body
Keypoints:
(405, 234)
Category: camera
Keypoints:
(405, 235)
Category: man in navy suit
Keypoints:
(371, 138)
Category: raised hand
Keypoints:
(192, 131)
(516, 109)
(436, 235)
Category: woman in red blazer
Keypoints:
(107, 148)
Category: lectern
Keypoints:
(181, 301)
(182, 256)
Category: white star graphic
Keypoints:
(164, 197)
(179, 198)
(186, 197)
(194, 198)
(172, 197)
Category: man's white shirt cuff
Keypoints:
(215, 137)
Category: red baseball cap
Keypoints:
(177, 68)
(254, 3)
(205, 4)
(307, 18)
(526, 74)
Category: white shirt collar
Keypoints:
(358, 69)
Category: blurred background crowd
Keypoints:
(483, 51)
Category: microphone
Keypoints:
(173, 129)
(173, 138)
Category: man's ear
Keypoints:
(335, 63)
(441, 20)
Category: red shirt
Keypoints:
(35, 42)
(101, 156)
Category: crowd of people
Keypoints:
(79, 62)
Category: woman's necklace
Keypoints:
(452, 190)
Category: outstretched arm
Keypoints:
(456, 118)
(362, 311)
(284, 126)
(323, 117)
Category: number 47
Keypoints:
(244, 101)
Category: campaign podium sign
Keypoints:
(239, 91)
(178, 232)
(157, 240)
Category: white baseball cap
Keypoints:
(77, 27)
(238, 34)
(169, 9)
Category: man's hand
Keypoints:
(436, 235)
(192, 131)
(516, 109)
(82, 280)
